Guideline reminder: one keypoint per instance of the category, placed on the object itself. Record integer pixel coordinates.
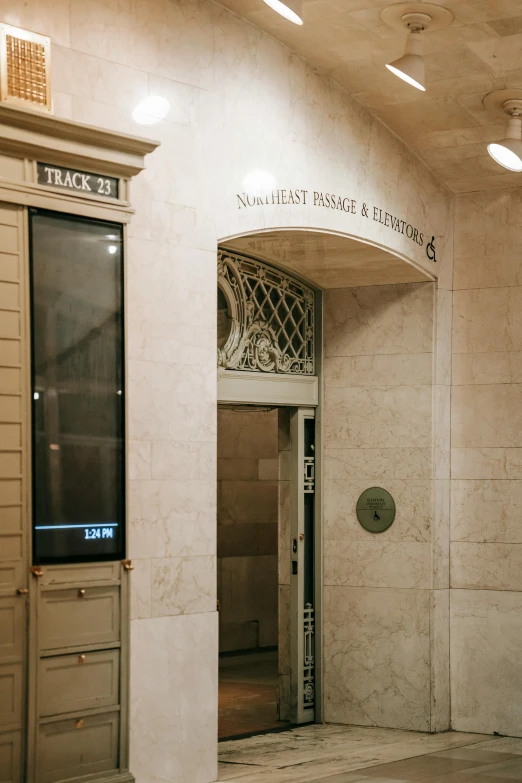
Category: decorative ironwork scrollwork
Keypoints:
(265, 318)
(309, 658)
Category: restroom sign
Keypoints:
(80, 181)
(375, 510)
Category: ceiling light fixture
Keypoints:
(415, 18)
(290, 9)
(508, 152)
(410, 67)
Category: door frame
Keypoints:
(242, 388)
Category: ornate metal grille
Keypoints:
(265, 318)
(26, 70)
(25, 67)
(308, 663)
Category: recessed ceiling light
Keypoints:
(290, 9)
(508, 152)
(151, 110)
(415, 18)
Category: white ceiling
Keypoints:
(447, 126)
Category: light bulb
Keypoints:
(410, 67)
(508, 152)
(151, 110)
(112, 249)
(506, 157)
(290, 9)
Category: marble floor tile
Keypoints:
(477, 754)
(353, 754)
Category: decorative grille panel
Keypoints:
(265, 318)
(25, 68)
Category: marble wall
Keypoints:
(386, 608)
(247, 529)
(239, 101)
(486, 486)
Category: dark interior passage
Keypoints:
(249, 495)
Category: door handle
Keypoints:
(22, 591)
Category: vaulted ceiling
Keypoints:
(447, 126)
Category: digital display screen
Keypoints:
(77, 389)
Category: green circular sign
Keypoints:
(376, 510)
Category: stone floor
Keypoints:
(248, 694)
(341, 754)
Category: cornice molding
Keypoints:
(30, 134)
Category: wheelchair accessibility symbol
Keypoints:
(430, 250)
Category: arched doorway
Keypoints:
(321, 262)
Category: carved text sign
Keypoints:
(332, 201)
(79, 181)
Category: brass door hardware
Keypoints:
(36, 571)
(79, 724)
(22, 591)
(81, 659)
(127, 564)
(81, 593)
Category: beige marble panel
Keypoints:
(379, 320)
(487, 256)
(172, 519)
(248, 501)
(156, 389)
(443, 327)
(378, 370)
(139, 459)
(486, 463)
(238, 469)
(413, 500)
(235, 439)
(486, 510)
(182, 225)
(173, 728)
(440, 660)
(377, 562)
(486, 669)
(141, 595)
(45, 16)
(487, 319)
(360, 417)
(249, 593)
(170, 40)
(87, 76)
(486, 566)
(486, 416)
(183, 585)
(442, 431)
(376, 657)
(183, 461)
(487, 367)
(62, 105)
(441, 534)
(392, 463)
(268, 469)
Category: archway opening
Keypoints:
(336, 267)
